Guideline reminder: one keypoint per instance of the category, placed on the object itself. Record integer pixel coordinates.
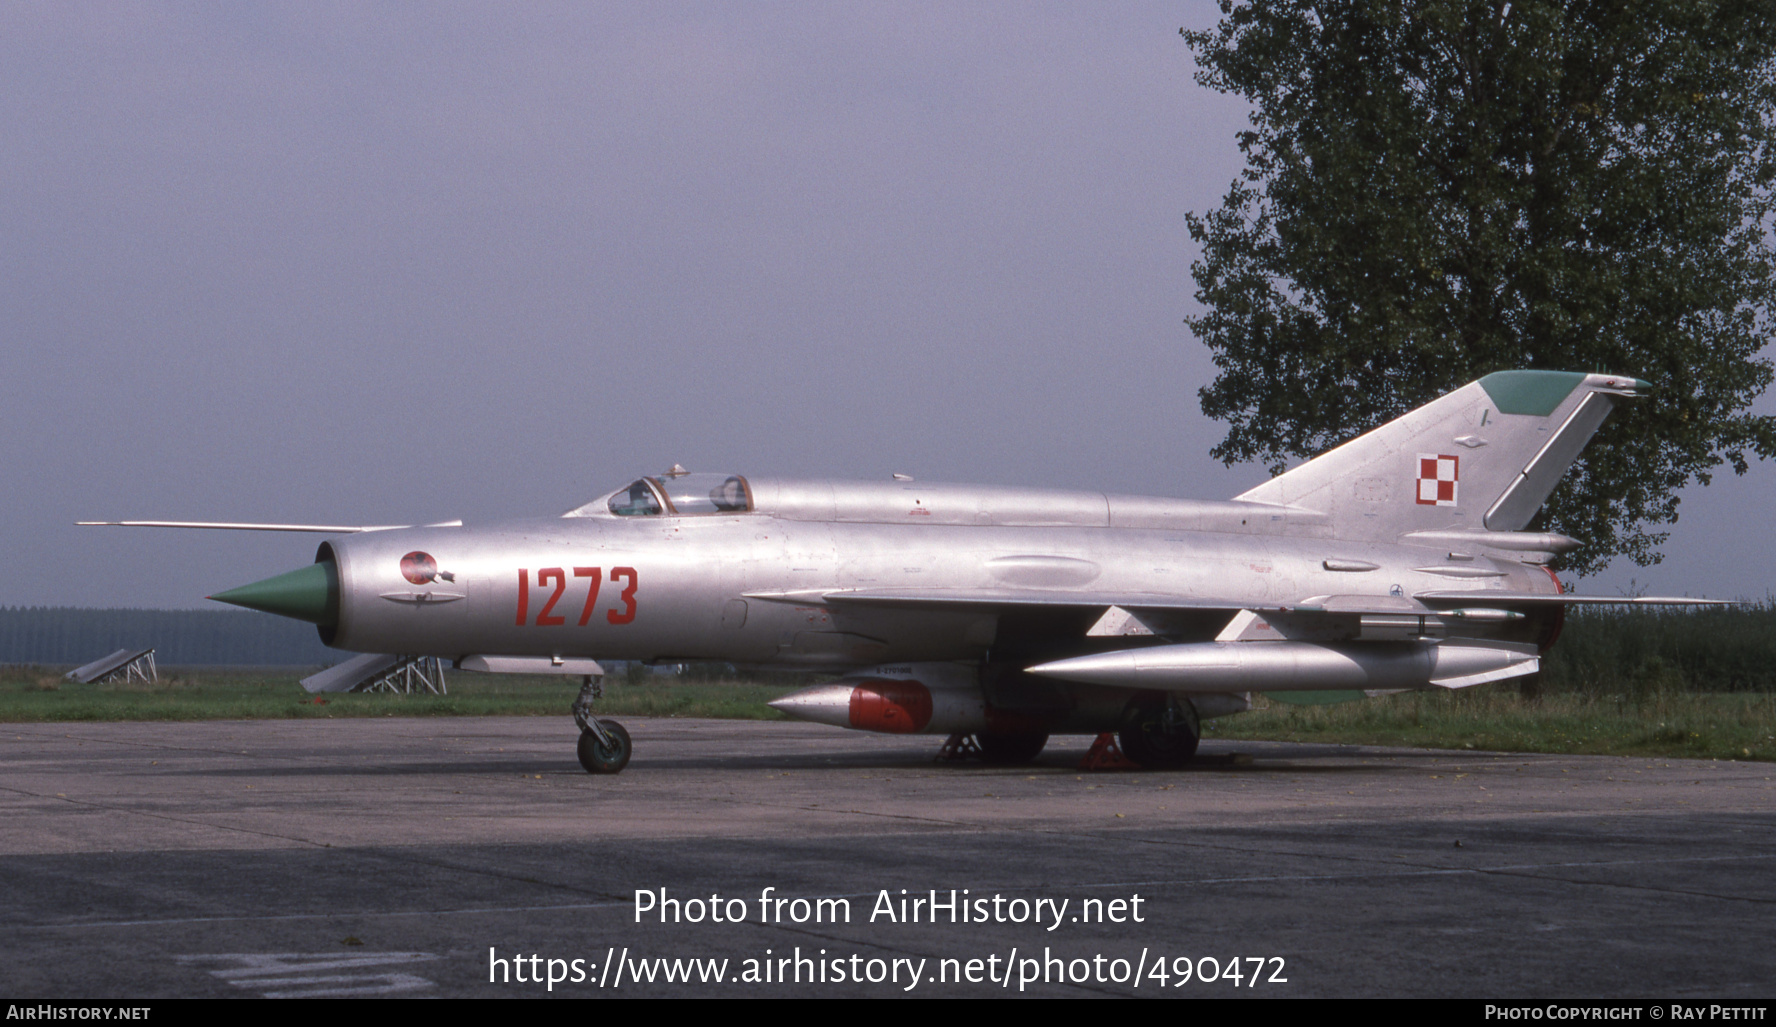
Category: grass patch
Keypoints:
(1736, 726)
(38, 694)
(1651, 716)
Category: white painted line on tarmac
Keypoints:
(304, 974)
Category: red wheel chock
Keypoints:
(1105, 754)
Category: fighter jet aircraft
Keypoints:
(1396, 561)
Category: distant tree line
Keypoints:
(69, 635)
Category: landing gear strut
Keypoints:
(604, 744)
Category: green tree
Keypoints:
(1437, 190)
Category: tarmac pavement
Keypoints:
(419, 857)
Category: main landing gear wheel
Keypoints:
(607, 755)
(1006, 748)
(1160, 733)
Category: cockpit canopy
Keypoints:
(680, 493)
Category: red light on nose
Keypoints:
(892, 707)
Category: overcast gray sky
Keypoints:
(365, 263)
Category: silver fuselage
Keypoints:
(747, 588)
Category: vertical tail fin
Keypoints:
(1484, 456)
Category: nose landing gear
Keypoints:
(604, 744)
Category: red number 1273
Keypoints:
(547, 617)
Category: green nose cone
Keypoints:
(310, 594)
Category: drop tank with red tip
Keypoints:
(937, 698)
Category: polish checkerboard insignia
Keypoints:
(1437, 479)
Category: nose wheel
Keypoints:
(604, 744)
(604, 747)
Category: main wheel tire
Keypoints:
(603, 759)
(1007, 748)
(1160, 735)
